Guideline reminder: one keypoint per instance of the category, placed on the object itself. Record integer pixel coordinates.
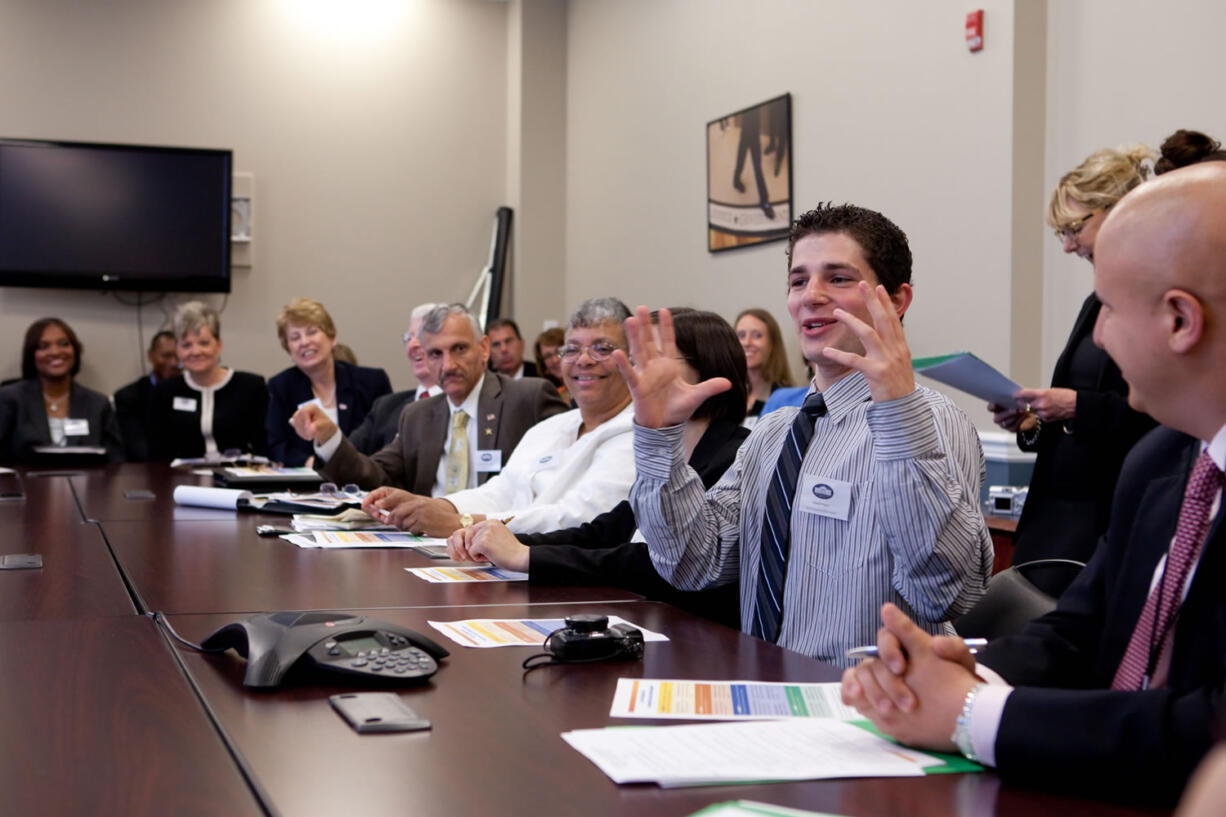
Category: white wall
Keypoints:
(375, 130)
(1121, 72)
(889, 111)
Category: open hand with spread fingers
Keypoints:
(655, 373)
(886, 361)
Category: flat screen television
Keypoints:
(94, 216)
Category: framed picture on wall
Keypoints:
(749, 175)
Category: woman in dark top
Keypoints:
(47, 407)
(765, 358)
(601, 551)
(209, 409)
(1081, 427)
(344, 391)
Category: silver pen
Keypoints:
(871, 651)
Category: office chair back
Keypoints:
(1012, 601)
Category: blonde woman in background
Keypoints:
(1081, 427)
(209, 409)
(344, 391)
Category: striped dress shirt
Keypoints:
(914, 535)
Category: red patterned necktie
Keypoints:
(1154, 628)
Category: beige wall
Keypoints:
(383, 137)
(889, 111)
(375, 131)
(1120, 72)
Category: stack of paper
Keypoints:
(727, 700)
(711, 753)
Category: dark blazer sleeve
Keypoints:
(1062, 726)
(379, 427)
(397, 463)
(103, 425)
(286, 390)
(357, 388)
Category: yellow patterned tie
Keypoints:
(457, 455)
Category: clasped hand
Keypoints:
(915, 690)
(488, 541)
(417, 514)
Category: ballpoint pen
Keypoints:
(871, 651)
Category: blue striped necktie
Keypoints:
(777, 521)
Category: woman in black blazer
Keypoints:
(47, 407)
(209, 409)
(601, 551)
(1081, 427)
(344, 391)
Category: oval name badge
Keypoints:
(825, 497)
(489, 461)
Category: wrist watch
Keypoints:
(962, 727)
(466, 520)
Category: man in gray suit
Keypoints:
(436, 452)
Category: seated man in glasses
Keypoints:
(566, 469)
(452, 441)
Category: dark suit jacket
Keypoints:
(506, 409)
(132, 404)
(356, 390)
(382, 422)
(23, 421)
(1062, 726)
(238, 418)
(600, 552)
(1067, 510)
(530, 369)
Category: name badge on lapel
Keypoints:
(76, 428)
(184, 404)
(546, 462)
(825, 497)
(489, 461)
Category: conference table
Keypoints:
(105, 713)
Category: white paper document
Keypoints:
(452, 575)
(515, 632)
(706, 753)
(967, 373)
(727, 700)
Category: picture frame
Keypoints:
(749, 175)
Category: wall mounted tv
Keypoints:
(94, 216)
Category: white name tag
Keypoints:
(76, 428)
(824, 496)
(546, 462)
(185, 404)
(489, 461)
(314, 402)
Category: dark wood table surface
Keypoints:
(96, 717)
(106, 493)
(223, 566)
(78, 578)
(495, 745)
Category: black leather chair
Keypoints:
(1012, 600)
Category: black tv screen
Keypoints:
(94, 216)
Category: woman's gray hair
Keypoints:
(193, 316)
(433, 322)
(598, 311)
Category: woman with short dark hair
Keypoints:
(602, 551)
(47, 407)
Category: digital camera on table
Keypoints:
(1007, 500)
(588, 637)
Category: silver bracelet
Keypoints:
(962, 727)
